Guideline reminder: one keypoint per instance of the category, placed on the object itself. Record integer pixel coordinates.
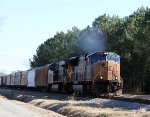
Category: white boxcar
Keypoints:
(17, 79)
(12, 79)
(31, 78)
(4, 80)
(50, 77)
(0, 81)
(24, 78)
(8, 81)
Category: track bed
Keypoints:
(79, 106)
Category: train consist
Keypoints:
(96, 73)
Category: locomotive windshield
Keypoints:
(97, 57)
(101, 56)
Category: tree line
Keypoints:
(129, 37)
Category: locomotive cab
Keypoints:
(105, 72)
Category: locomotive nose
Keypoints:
(100, 71)
(106, 70)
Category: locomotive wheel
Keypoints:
(69, 88)
(60, 87)
(119, 92)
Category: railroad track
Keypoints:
(124, 97)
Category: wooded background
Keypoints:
(129, 37)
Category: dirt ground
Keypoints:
(71, 107)
(13, 108)
(143, 97)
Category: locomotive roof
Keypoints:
(101, 52)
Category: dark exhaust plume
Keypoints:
(91, 41)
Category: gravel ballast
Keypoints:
(79, 106)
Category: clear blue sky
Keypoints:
(25, 24)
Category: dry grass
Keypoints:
(73, 108)
(81, 109)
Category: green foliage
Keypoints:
(65, 45)
(60, 47)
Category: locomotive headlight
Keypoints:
(116, 78)
(101, 77)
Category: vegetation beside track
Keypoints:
(79, 106)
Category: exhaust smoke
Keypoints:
(92, 41)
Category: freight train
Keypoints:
(97, 73)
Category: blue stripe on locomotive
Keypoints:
(113, 57)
